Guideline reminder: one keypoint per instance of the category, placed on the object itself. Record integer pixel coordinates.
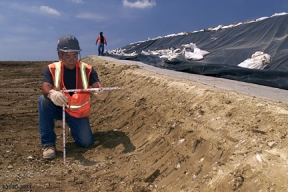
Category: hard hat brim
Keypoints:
(68, 50)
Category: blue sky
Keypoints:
(29, 29)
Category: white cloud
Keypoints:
(49, 10)
(36, 9)
(77, 1)
(139, 3)
(90, 16)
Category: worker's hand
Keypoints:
(101, 94)
(57, 97)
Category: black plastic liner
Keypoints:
(228, 48)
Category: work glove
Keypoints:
(57, 97)
(101, 94)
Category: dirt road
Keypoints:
(160, 133)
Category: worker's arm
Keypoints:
(46, 87)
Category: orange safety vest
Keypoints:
(98, 41)
(79, 102)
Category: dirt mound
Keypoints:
(158, 134)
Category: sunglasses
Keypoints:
(67, 56)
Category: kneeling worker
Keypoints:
(68, 73)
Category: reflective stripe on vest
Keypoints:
(58, 76)
(83, 75)
(74, 107)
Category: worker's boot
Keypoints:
(49, 152)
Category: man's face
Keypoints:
(69, 59)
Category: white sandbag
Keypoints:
(258, 60)
(193, 53)
(186, 52)
(145, 52)
(193, 56)
(177, 58)
(202, 52)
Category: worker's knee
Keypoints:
(85, 143)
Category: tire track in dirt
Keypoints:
(218, 120)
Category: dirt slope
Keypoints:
(158, 134)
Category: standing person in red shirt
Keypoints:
(101, 41)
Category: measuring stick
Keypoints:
(63, 112)
(64, 135)
(93, 89)
(64, 132)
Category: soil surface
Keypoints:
(160, 133)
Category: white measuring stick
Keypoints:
(64, 134)
(93, 89)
